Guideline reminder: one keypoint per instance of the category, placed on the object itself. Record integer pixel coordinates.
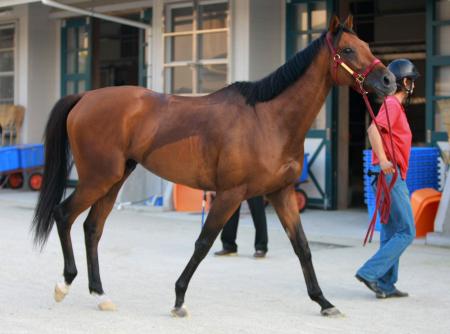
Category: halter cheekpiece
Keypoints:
(383, 196)
(338, 61)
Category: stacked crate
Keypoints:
(21, 163)
(423, 172)
(9, 158)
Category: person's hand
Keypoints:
(387, 167)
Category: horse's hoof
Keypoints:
(104, 303)
(107, 306)
(61, 290)
(179, 312)
(332, 312)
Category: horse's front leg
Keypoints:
(287, 210)
(224, 205)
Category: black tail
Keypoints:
(57, 156)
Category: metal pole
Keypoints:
(115, 19)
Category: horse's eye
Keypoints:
(347, 51)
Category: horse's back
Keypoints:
(210, 142)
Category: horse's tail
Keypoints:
(56, 169)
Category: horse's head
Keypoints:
(353, 64)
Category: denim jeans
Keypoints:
(395, 237)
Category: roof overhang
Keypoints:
(77, 10)
(10, 3)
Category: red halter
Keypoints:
(359, 77)
(383, 196)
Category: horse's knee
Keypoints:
(202, 247)
(302, 250)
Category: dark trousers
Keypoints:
(257, 210)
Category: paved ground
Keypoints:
(143, 253)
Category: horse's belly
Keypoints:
(181, 162)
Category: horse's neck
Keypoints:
(298, 105)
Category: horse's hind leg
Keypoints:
(224, 205)
(93, 229)
(85, 195)
(65, 214)
(287, 210)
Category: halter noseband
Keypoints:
(359, 77)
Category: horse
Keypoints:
(244, 140)
(11, 119)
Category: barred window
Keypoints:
(7, 50)
(196, 47)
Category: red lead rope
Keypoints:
(383, 195)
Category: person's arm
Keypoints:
(377, 146)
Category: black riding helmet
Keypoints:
(403, 68)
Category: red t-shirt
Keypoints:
(401, 133)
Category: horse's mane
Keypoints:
(275, 83)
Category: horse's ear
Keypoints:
(349, 22)
(334, 24)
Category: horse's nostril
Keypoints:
(386, 80)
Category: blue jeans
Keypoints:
(395, 237)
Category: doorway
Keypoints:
(115, 51)
(393, 29)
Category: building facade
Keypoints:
(52, 48)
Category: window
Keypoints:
(310, 19)
(196, 47)
(7, 48)
(76, 55)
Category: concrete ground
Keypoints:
(143, 253)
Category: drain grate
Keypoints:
(317, 245)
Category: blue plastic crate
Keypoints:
(9, 158)
(31, 155)
(304, 176)
(422, 173)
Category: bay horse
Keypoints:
(241, 141)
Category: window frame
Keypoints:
(434, 62)
(76, 77)
(13, 73)
(323, 118)
(195, 63)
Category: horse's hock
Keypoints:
(11, 121)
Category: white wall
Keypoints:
(266, 38)
(240, 40)
(156, 54)
(36, 64)
(43, 64)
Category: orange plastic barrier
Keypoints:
(425, 203)
(188, 199)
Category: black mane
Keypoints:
(275, 83)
